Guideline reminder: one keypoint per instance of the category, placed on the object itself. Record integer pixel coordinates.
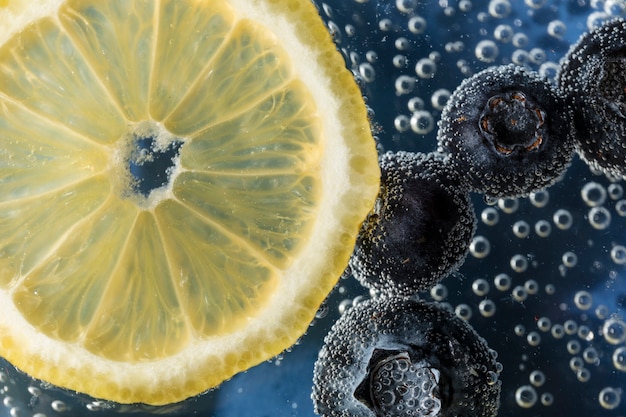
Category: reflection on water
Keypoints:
(544, 283)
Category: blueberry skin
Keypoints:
(404, 357)
(420, 228)
(507, 131)
(592, 75)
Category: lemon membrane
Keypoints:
(182, 184)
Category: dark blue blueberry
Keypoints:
(420, 228)
(402, 357)
(507, 131)
(593, 77)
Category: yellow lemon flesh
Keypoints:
(182, 183)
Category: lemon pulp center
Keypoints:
(146, 163)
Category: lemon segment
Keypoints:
(76, 272)
(149, 323)
(198, 247)
(183, 183)
(39, 155)
(248, 68)
(66, 92)
(190, 29)
(280, 135)
(116, 40)
(30, 230)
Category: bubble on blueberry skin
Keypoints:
(420, 228)
(593, 76)
(402, 357)
(508, 131)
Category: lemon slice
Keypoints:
(182, 184)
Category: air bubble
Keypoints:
(385, 25)
(583, 375)
(543, 228)
(544, 324)
(371, 57)
(533, 339)
(490, 216)
(503, 33)
(557, 29)
(519, 263)
(367, 72)
(539, 198)
(537, 56)
(569, 259)
(521, 229)
(549, 70)
(520, 40)
(557, 331)
(508, 205)
(59, 406)
(402, 44)
(400, 61)
(573, 348)
(610, 398)
(417, 25)
(487, 51)
(502, 282)
(576, 363)
(620, 208)
(439, 292)
(425, 68)
(602, 312)
(547, 399)
(422, 122)
(406, 6)
(615, 7)
(593, 194)
(480, 247)
(583, 300)
(531, 286)
(480, 287)
(619, 358)
(535, 4)
(415, 104)
(618, 254)
(563, 219)
(520, 57)
(571, 327)
(463, 311)
(615, 191)
(487, 308)
(599, 218)
(519, 294)
(526, 396)
(404, 85)
(439, 98)
(614, 331)
(537, 378)
(499, 8)
(402, 123)
(590, 355)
